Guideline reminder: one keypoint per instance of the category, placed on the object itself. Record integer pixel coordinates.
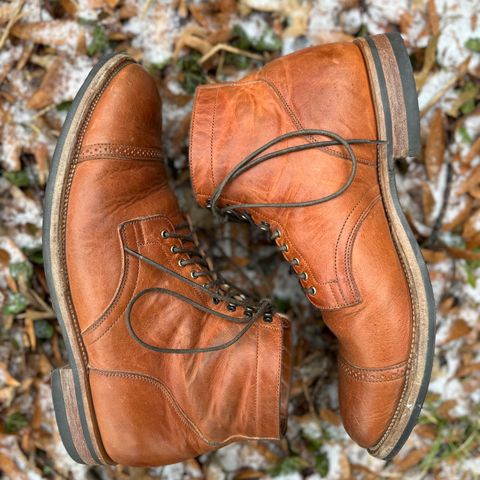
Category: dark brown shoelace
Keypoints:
(239, 211)
(217, 288)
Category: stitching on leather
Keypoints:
(333, 291)
(373, 375)
(185, 419)
(66, 192)
(299, 124)
(119, 151)
(307, 267)
(119, 291)
(284, 233)
(394, 418)
(296, 123)
(123, 242)
(279, 376)
(338, 242)
(255, 399)
(311, 138)
(351, 240)
(212, 133)
(120, 315)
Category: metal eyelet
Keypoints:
(303, 276)
(284, 248)
(276, 234)
(264, 226)
(268, 317)
(248, 312)
(295, 261)
(208, 203)
(231, 307)
(173, 249)
(164, 234)
(193, 274)
(181, 263)
(215, 300)
(311, 291)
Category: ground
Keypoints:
(47, 49)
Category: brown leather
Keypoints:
(157, 408)
(344, 246)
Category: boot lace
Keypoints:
(217, 287)
(239, 211)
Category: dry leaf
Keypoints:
(53, 32)
(432, 256)
(433, 17)
(435, 147)
(458, 329)
(414, 457)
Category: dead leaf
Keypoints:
(414, 457)
(435, 147)
(458, 329)
(433, 17)
(53, 32)
(330, 416)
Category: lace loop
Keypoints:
(218, 289)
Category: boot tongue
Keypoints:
(229, 121)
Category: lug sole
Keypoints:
(70, 385)
(398, 121)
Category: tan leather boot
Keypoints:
(166, 361)
(306, 149)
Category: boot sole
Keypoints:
(70, 385)
(398, 121)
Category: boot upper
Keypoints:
(155, 407)
(342, 250)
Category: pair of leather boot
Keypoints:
(166, 359)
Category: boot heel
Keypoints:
(67, 413)
(387, 60)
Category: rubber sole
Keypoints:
(70, 387)
(398, 121)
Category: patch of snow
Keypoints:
(155, 32)
(382, 12)
(435, 82)
(456, 28)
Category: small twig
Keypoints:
(230, 49)
(13, 20)
(145, 8)
(437, 225)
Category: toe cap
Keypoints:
(369, 399)
(128, 111)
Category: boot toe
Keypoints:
(369, 399)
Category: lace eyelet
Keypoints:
(284, 248)
(311, 291)
(208, 203)
(268, 317)
(248, 312)
(295, 261)
(264, 226)
(231, 307)
(181, 263)
(276, 234)
(215, 300)
(193, 274)
(304, 276)
(164, 234)
(173, 249)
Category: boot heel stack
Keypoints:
(69, 421)
(388, 63)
